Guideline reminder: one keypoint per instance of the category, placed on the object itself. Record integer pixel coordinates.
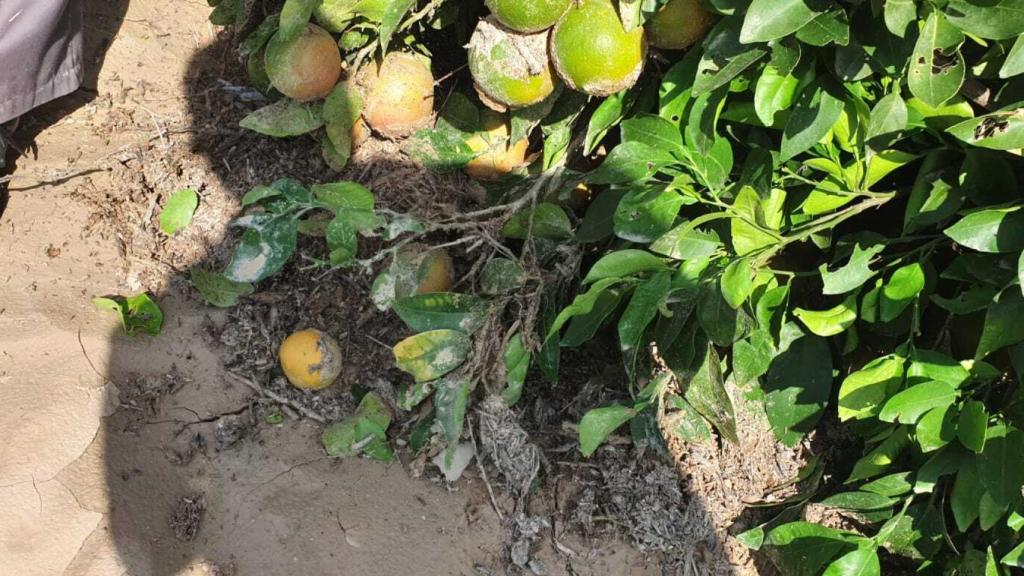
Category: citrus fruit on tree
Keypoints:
(678, 25)
(509, 68)
(397, 94)
(336, 15)
(310, 359)
(528, 15)
(593, 52)
(498, 156)
(306, 68)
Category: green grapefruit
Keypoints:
(593, 52)
(678, 25)
(509, 68)
(528, 15)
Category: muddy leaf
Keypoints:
(723, 324)
(256, 39)
(685, 422)
(412, 395)
(707, 394)
(500, 275)
(178, 211)
(442, 310)
(752, 356)
(365, 432)
(284, 118)
(450, 403)
(265, 247)
(218, 290)
(599, 423)
(430, 355)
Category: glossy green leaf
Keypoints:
(863, 392)
(889, 116)
(994, 230)
(829, 322)
(854, 273)
(178, 211)
(900, 291)
(936, 428)
(995, 19)
(1002, 323)
(771, 19)
(599, 423)
(816, 110)
(910, 404)
(972, 426)
(642, 308)
(517, 363)
(1001, 465)
(797, 388)
(724, 56)
(645, 215)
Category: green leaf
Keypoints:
(1015, 557)
(936, 194)
(584, 326)
(773, 93)
(996, 131)
(817, 109)
(645, 215)
(284, 118)
(685, 242)
(630, 162)
(295, 14)
(936, 428)
(854, 273)
(442, 310)
(995, 19)
(1014, 63)
(393, 16)
(902, 288)
(582, 304)
(972, 426)
(723, 323)
(642, 308)
(598, 424)
(889, 116)
(622, 263)
(737, 282)
(724, 56)
(803, 548)
(884, 163)
(751, 357)
(439, 150)
(967, 491)
(832, 27)
(342, 240)
(545, 221)
(517, 363)
(265, 247)
(1001, 465)
(430, 355)
(707, 394)
(830, 322)
(365, 432)
(863, 392)
(137, 313)
(994, 230)
(798, 387)
(858, 501)
(892, 485)
(605, 117)
(345, 198)
(178, 211)
(898, 15)
(860, 562)
(597, 223)
(685, 422)
(970, 300)
(218, 290)
(771, 19)
(936, 67)
(258, 38)
(881, 457)
(931, 365)
(909, 405)
(450, 402)
(1002, 323)
(654, 131)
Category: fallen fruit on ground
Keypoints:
(435, 269)
(310, 359)
(336, 15)
(510, 68)
(397, 94)
(678, 25)
(498, 156)
(528, 15)
(592, 51)
(306, 68)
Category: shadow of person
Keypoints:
(101, 22)
(200, 476)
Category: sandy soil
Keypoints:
(137, 456)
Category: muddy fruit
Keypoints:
(678, 25)
(592, 51)
(306, 68)
(499, 157)
(310, 359)
(528, 15)
(436, 272)
(397, 94)
(336, 15)
(509, 68)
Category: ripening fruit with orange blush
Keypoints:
(498, 156)
(306, 68)
(397, 94)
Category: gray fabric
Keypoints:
(40, 53)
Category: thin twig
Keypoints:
(308, 413)
(483, 473)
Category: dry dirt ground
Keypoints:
(146, 457)
(139, 456)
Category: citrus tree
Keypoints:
(813, 204)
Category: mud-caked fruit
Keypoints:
(509, 68)
(336, 15)
(306, 68)
(528, 15)
(678, 25)
(497, 155)
(434, 269)
(310, 359)
(593, 52)
(397, 94)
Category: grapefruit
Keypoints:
(310, 359)
(510, 68)
(678, 25)
(498, 156)
(593, 52)
(306, 68)
(528, 15)
(397, 94)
